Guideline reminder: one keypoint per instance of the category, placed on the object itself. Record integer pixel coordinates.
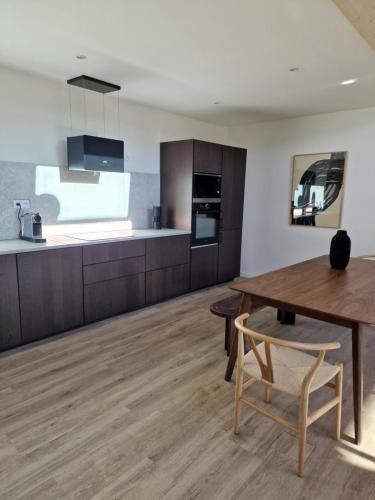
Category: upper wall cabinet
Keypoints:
(232, 187)
(207, 157)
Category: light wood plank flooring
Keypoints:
(137, 408)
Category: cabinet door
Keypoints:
(229, 255)
(51, 294)
(233, 187)
(167, 251)
(207, 157)
(107, 298)
(203, 266)
(163, 284)
(10, 331)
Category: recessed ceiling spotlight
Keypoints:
(349, 82)
(81, 56)
(217, 102)
(294, 68)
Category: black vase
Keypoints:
(339, 254)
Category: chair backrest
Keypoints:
(265, 365)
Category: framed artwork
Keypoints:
(317, 189)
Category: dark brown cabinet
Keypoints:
(207, 157)
(167, 267)
(167, 251)
(10, 331)
(163, 284)
(204, 262)
(179, 160)
(229, 255)
(233, 187)
(115, 296)
(113, 278)
(116, 250)
(50, 289)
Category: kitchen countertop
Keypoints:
(21, 246)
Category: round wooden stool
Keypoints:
(228, 308)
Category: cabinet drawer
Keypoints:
(114, 269)
(163, 284)
(167, 251)
(107, 298)
(204, 266)
(105, 252)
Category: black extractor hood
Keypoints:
(96, 154)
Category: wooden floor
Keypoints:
(137, 408)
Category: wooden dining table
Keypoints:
(313, 289)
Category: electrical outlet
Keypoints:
(24, 204)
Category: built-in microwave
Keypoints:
(206, 188)
(205, 224)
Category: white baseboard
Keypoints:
(245, 274)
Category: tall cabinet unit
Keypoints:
(179, 161)
(232, 198)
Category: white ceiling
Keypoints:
(183, 55)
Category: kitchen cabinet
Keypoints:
(10, 329)
(114, 296)
(113, 278)
(233, 187)
(162, 284)
(204, 261)
(116, 250)
(167, 267)
(51, 293)
(167, 251)
(229, 255)
(113, 269)
(45, 292)
(179, 160)
(207, 157)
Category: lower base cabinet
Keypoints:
(10, 330)
(204, 261)
(162, 284)
(50, 290)
(229, 255)
(114, 296)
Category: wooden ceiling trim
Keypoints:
(361, 13)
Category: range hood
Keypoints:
(96, 154)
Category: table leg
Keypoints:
(285, 317)
(245, 307)
(357, 380)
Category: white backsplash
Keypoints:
(62, 196)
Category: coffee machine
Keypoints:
(31, 227)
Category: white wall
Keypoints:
(35, 121)
(269, 241)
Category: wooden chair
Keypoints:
(286, 368)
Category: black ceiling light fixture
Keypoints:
(86, 152)
(90, 83)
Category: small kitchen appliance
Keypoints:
(156, 218)
(31, 227)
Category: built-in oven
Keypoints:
(205, 224)
(206, 188)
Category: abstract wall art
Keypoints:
(317, 189)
